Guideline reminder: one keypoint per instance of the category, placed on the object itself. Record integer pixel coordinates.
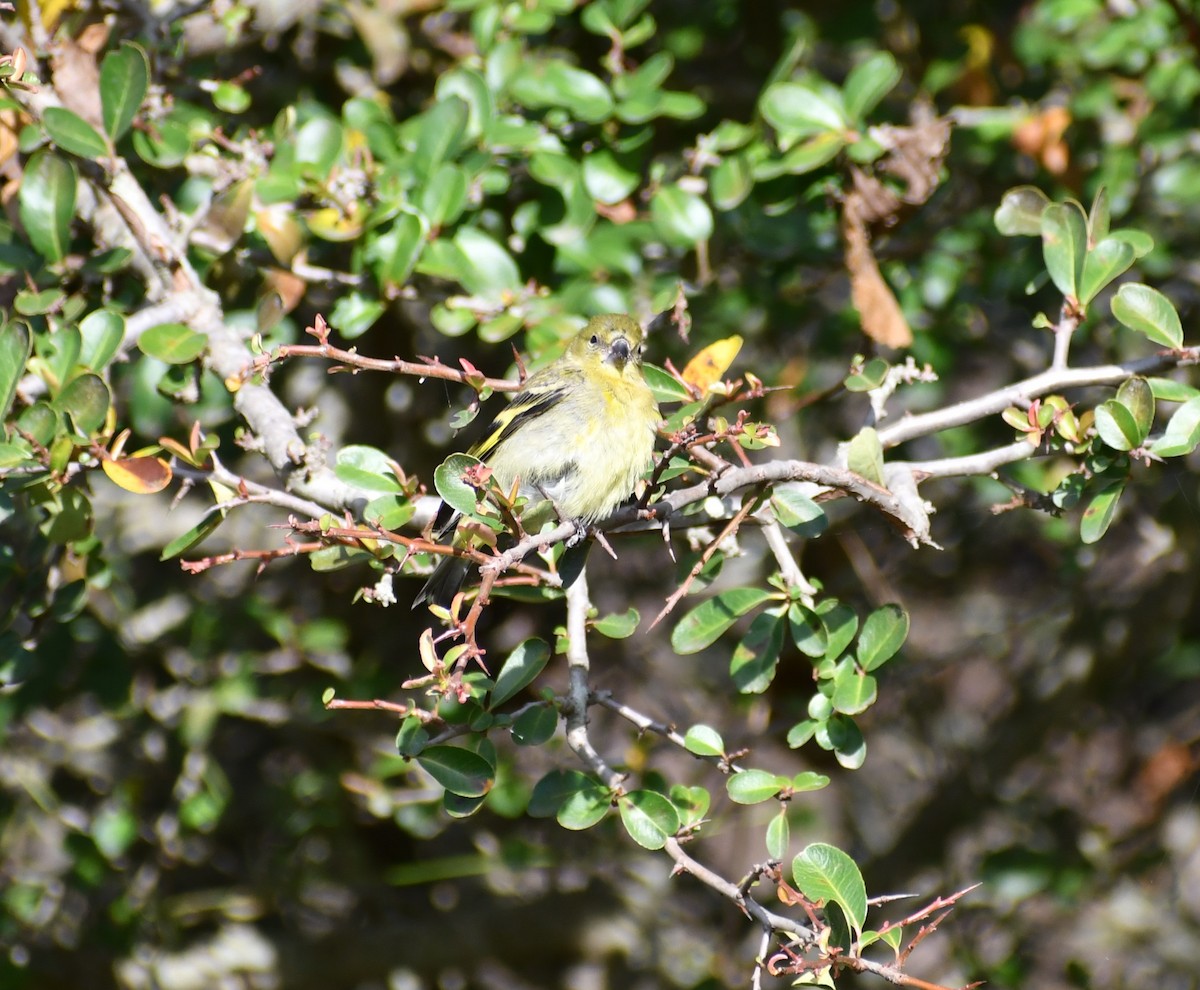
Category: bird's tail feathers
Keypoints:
(443, 584)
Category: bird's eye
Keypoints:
(595, 340)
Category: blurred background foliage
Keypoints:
(177, 809)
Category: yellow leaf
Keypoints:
(707, 367)
(140, 475)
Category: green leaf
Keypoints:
(649, 818)
(681, 218)
(864, 455)
(355, 313)
(825, 874)
(1099, 217)
(584, 807)
(452, 487)
(606, 180)
(1064, 245)
(619, 625)
(458, 770)
(840, 623)
(845, 738)
(882, 635)
(185, 541)
(1104, 263)
(1020, 212)
(489, 269)
(445, 196)
(1181, 436)
(704, 624)
(797, 511)
(554, 788)
(808, 632)
(86, 400)
(457, 806)
(443, 127)
(779, 835)
(1117, 427)
(703, 740)
(394, 254)
(805, 157)
(872, 375)
(799, 110)
(868, 83)
(124, 78)
(692, 803)
(1136, 395)
(1098, 516)
(519, 670)
(173, 343)
(731, 182)
(666, 387)
(1141, 242)
(46, 201)
(1169, 390)
(230, 97)
(411, 737)
(535, 725)
(553, 83)
(1149, 312)
(16, 346)
(101, 335)
(74, 134)
(854, 690)
(366, 467)
(753, 664)
(389, 511)
(808, 780)
(754, 786)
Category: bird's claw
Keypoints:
(580, 534)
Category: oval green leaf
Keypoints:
(46, 203)
(519, 670)
(124, 78)
(681, 218)
(1098, 516)
(752, 666)
(1182, 434)
(1064, 245)
(1117, 427)
(458, 770)
(173, 343)
(704, 624)
(16, 346)
(703, 740)
(825, 874)
(754, 786)
(452, 487)
(535, 725)
(1149, 312)
(86, 400)
(868, 83)
(882, 635)
(74, 134)
(649, 818)
(1136, 395)
(779, 835)
(1104, 263)
(1020, 212)
(101, 334)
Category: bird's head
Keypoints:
(614, 339)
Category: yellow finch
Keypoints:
(579, 433)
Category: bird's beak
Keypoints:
(618, 351)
